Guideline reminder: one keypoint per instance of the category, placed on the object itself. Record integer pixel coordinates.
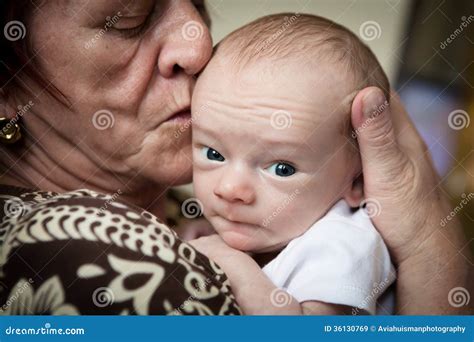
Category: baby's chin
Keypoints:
(241, 242)
(246, 238)
(245, 243)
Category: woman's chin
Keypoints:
(179, 176)
(172, 169)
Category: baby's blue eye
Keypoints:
(212, 154)
(282, 169)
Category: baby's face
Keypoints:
(270, 150)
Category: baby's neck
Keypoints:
(264, 258)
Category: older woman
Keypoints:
(104, 88)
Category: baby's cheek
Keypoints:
(202, 189)
(303, 213)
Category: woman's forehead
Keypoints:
(87, 7)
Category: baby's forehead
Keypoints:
(319, 89)
(273, 104)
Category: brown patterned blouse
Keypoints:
(86, 253)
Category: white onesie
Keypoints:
(341, 259)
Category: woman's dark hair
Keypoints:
(15, 54)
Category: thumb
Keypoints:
(374, 130)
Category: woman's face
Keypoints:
(126, 67)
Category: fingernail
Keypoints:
(373, 103)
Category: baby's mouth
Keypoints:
(228, 218)
(235, 222)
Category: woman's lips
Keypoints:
(180, 117)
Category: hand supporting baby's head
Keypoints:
(273, 147)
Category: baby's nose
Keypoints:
(235, 192)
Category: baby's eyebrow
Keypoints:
(277, 143)
(204, 129)
(272, 143)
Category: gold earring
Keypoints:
(10, 131)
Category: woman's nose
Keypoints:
(187, 49)
(235, 189)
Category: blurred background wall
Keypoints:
(427, 49)
(227, 15)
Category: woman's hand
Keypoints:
(216, 249)
(407, 206)
(252, 289)
(194, 229)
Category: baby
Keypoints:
(277, 167)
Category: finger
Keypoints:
(189, 235)
(374, 129)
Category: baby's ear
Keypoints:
(355, 193)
